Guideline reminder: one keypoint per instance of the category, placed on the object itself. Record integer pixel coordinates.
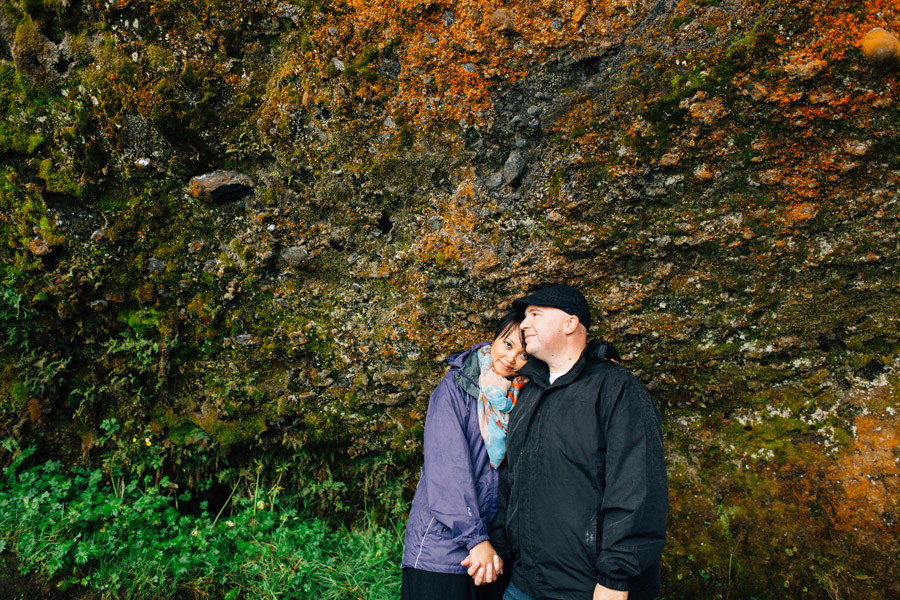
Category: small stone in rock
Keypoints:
(805, 70)
(514, 169)
(38, 246)
(881, 48)
(295, 256)
(156, 266)
(857, 148)
(669, 159)
(435, 222)
(758, 91)
(494, 181)
(502, 21)
(297, 338)
(246, 339)
(703, 173)
(220, 186)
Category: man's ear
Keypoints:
(571, 325)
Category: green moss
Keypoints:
(26, 212)
(556, 182)
(677, 22)
(306, 43)
(143, 321)
(179, 429)
(159, 58)
(191, 75)
(229, 433)
(27, 38)
(17, 108)
(59, 178)
(16, 140)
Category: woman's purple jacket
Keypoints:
(456, 498)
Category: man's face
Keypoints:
(544, 329)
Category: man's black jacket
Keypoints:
(583, 495)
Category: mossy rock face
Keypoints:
(719, 178)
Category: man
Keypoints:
(584, 495)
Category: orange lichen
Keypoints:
(455, 240)
(869, 476)
(453, 57)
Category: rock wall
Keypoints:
(249, 233)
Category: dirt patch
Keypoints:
(15, 586)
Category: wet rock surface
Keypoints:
(719, 178)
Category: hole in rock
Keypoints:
(385, 224)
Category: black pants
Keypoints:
(425, 585)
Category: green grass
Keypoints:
(133, 539)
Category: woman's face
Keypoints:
(508, 353)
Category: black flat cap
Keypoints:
(564, 297)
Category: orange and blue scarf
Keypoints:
(498, 397)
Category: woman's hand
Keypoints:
(484, 564)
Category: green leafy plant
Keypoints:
(130, 538)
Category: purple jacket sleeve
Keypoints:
(448, 474)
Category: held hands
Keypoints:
(602, 593)
(484, 564)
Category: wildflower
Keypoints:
(147, 441)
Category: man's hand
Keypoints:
(602, 593)
(484, 564)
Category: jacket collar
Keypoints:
(539, 373)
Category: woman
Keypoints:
(465, 443)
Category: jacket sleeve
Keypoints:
(636, 494)
(448, 474)
(499, 539)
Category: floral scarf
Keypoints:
(497, 398)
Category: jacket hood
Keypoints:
(457, 359)
(469, 370)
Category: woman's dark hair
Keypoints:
(512, 319)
